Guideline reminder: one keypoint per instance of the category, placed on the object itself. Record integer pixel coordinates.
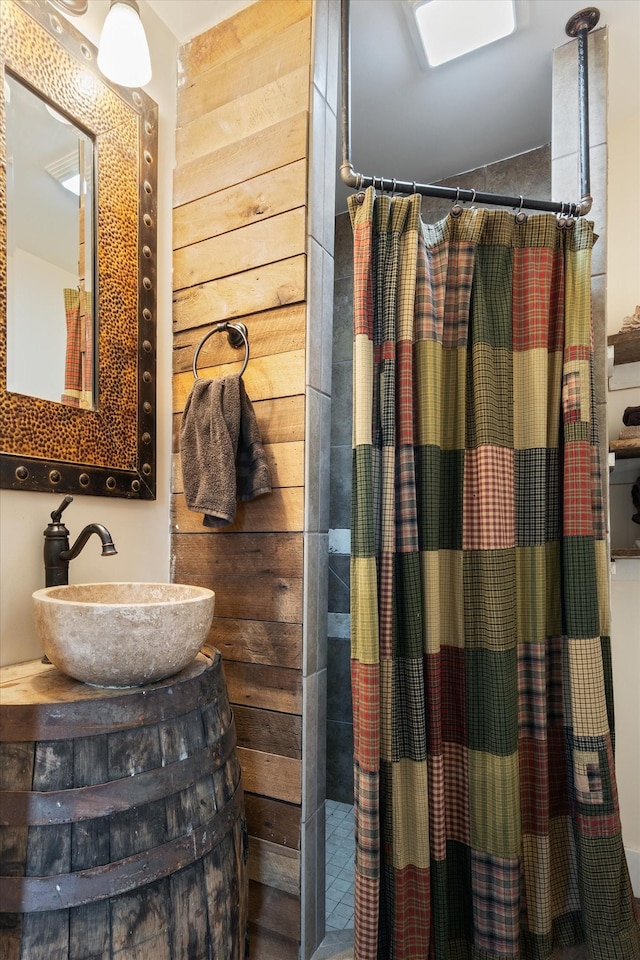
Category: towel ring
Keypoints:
(237, 336)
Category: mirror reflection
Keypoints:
(51, 336)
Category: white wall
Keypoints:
(36, 293)
(140, 530)
(623, 293)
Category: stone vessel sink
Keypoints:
(122, 634)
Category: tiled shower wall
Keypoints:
(528, 174)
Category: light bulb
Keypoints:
(123, 54)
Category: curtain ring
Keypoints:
(562, 219)
(393, 191)
(414, 186)
(520, 214)
(456, 209)
(473, 198)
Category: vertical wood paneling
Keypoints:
(240, 243)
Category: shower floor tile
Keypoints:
(340, 854)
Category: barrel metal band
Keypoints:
(26, 722)
(63, 891)
(19, 808)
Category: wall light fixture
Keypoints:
(123, 51)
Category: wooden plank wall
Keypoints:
(240, 199)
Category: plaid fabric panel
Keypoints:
(577, 519)
(576, 391)
(408, 629)
(538, 595)
(456, 779)
(491, 295)
(437, 805)
(365, 692)
(532, 690)
(564, 891)
(362, 266)
(496, 903)
(579, 583)
(431, 280)
(459, 902)
(365, 643)
(453, 716)
(613, 932)
(489, 401)
(537, 496)
(490, 607)
(492, 701)
(409, 733)
(588, 703)
(439, 486)
(410, 814)
(537, 388)
(538, 299)
(534, 785)
(488, 516)
(363, 391)
(495, 804)
(412, 921)
(427, 371)
(536, 871)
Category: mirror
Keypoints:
(49, 184)
(77, 314)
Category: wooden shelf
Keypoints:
(625, 449)
(626, 346)
(625, 553)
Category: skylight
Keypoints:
(451, 28)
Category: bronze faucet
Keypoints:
(57, 552)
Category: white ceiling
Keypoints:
(425, 124)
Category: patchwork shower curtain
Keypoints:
(78, 371)
(487, 823)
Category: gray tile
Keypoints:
(315, 599)
(343, 247)
(340, 487)
(312, 461)
(340, 761)
(330, 134)
(339, 680)
(333, 55)
(320, 27)
(315, 326)
(343, 319)
(326, 323)
(315, 223)
(341, 405)
(339, 578)
(528, 174)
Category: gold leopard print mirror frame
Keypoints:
(45, 446)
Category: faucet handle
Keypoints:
(56, 514)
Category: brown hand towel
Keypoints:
(221, 450)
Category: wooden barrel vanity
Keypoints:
(121, 818)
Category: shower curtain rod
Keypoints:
(578, 27)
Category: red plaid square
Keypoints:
(538, 298)
(456, 779)
(365, 683)
(577, 517)
(534, 786)
(488, 521)
(412, 920)
(437, 808)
